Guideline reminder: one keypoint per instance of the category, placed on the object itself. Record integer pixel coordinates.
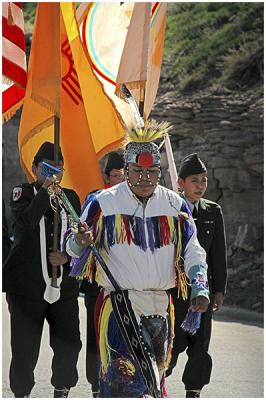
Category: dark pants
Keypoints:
(199, 364)
(91, 352)
(92, 371)
(27, 318)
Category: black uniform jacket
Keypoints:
(211, 235)
(22, 271)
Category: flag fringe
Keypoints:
(11, 112)
(36, 130)
(45, 103)
(130, 85)
(26, 138)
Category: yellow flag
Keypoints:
(89, 124)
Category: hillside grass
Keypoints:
(210, 43)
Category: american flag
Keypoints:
(14, 68)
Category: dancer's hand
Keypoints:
(218, 301)
(84, 237)
(200, 304)
(57, 258)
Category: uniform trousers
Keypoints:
(198, 368)
(92, 371)
(27, 318)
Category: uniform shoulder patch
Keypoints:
(17, 192)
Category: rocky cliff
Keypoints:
(226, 129)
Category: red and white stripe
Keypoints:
(13, 43)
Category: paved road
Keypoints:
(236, 347)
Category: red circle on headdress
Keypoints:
(145, 160)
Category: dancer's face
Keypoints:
(143, 181)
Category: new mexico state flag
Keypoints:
(61, 82)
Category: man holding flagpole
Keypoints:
(142, 231)
(27, 281)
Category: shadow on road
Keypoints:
(240, 315)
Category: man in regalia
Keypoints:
(146, 236)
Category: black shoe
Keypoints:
(192, 393)
(61, 392)
(21, 395)
(95, 389)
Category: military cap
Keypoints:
(191, 165)
(46, 152)
(115, 160)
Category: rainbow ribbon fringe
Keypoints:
(120, 228)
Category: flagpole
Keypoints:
(57, 114)
(168, 147)
(56, 214)
(171, 163)
(142, 100)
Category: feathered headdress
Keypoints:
(151, 131)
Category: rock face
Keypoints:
(226, 130)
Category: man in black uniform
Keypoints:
(211, 235)
(27, 282)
